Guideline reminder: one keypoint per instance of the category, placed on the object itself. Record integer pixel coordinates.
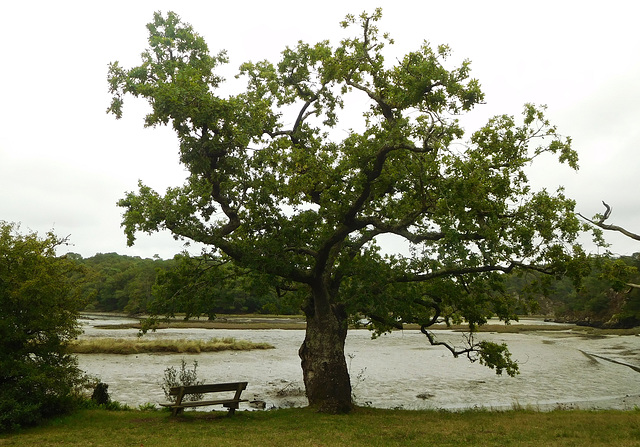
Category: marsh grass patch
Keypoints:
(124, 346)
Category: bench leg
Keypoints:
(232, 409)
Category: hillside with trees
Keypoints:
(117, 283)
(192, 286)
(606, 295)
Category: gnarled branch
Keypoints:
(601, 224)
(472, 347)
(470, 350)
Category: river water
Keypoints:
(558, 369)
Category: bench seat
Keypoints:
(181, 391)
(204, 403)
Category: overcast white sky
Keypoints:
(64, 162)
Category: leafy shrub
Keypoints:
(184, 377)
(101, 394)
(39, 305)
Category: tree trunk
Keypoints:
(326, 377)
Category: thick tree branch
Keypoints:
(302, 250)
(349, 222)
(386, 109)
(457, 271)
(302, 115)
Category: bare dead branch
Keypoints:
(601, 224)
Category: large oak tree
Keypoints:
(275, 186)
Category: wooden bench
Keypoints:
(180, 392)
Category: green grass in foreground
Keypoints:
(141, 345)
(364, 427)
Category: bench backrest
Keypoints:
(208, 388)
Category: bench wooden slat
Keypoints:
(204, 403)
(209, 388)
(181, 391)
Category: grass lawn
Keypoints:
(363, 427)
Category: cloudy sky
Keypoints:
(64, 162)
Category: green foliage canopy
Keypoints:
(38, 317)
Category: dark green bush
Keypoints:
(38, 317)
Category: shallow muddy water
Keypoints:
(398, 370)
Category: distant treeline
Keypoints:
(187, 285)
(205, 286)
(607, 295)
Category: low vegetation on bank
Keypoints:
(142, 345)
(252, 321)
(363, 427)
(583, 330)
